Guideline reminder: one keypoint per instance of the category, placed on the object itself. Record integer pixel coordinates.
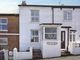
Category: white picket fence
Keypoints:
(22, 55)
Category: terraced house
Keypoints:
(48, 29)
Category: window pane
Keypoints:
(68, 15)
(35, 19)
(50, 30)
(34, 35)
(65, 15)
(50, 36)
(32, 39)
(0, 27)
(50, 33)
(34, 32)
(3, 47)
(35, 15)
(4, 27)
(34, 12)
(3, 40)
(3, 24)
(4, 20)
(36, 39)
(73, 37)
(70, 37)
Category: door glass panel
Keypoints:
(63, 39)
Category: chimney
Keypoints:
(24, 2)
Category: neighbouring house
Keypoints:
(48, 28)
(9, 31)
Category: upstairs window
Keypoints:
(67, 15)
(34, 36)
(50, 33)
(3, 24)
(34, 15)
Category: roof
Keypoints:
(9, 14)
(66, 27)
(73, 30)
(51, 24)
(54, 6)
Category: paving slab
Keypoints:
(63, 58)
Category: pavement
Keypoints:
(63, 58)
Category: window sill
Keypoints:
(67, 20)
(3, 30)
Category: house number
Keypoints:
(52, 43)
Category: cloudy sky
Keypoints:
(11, 6)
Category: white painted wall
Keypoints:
(75, 23)
(74, 48)
(26, 25)
(45, 17)
(22, 55)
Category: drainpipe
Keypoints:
(52, 15)
(67, 39)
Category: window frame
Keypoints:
(4, 44)
(1, 29)
(34, 36)
(35, 16)
(67, 15)
(53, 33)
(72, 36)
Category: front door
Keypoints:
(62, 39)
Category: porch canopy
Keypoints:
(51, 24)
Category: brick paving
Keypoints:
(63, 58)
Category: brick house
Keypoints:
(9, 31)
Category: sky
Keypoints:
(11, 6)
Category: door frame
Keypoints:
(63, 39)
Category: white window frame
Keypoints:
(4, 44)
(4, 24)
(67, 15)
(34, 16)
(33, 36)
(72, 36)
(55, 33)
(6, 39)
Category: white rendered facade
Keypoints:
(48, 15)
